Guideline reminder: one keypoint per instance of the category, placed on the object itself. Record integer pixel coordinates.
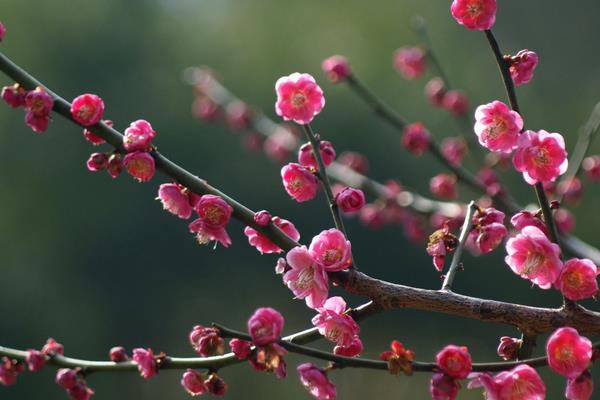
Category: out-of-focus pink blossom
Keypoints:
(264, 244)
(474, 14)
(331, 249)
(580, 388)
(497, 127)
(488, 178)
(140, 165)
(205, 109)
(299, 98)
(238, 114)
(520, 383)
(2, 31)
(333, 324)
(454, 149)
(565, 220)
(522, 66)
(410, 62)
(416, 138)
(456, 102)
(337, 68)
(87, 109)
(591, 166)
(444, 186)
(454, 361)
(316, 382)
(146, 362)
(435, 90)
(540, 156)
(280, 144)
(299, 182)
(306, 157)
(53, 347)
(570, 189)
(9, 369)
(265, 326)
(577, 279)
(568, 353)
(355, 161)
(443, 387)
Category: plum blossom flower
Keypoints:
(435, 90)
(410, 62)
(299, 182)
(577, 279)
(140, 165)
(443, 186)
(206, 341)
(265, 326)
(93, 138)
(354, 161)
(337, 68)
(87, 109)
(299, 98)
(352, 350)
(53, 347)
(520, 383)
(350, 200)
(35, 360)
(497, 127)
(455, 102)
(399, 358)
(580, 388)
(443, 387)
(522, 66)
(591, 166)
(214, 214)
(193, 383)
(138, 136)
(14, 95)
(568, 353)
(264, 244)
(316, 382)
(331, 249)
(216, 385)
(333, 324)
(532, 256)
(540, 156)
(118, 354)
(440, 243)
(175, 199)
(306, 157)
(488, 231)
(241, 348)
(509, 348)
(38, 104)
(306, 279)
(415, 138)
(238, 115)
(146, 362)
(262, 218)
(97, 162)
(474, 14)
(9, 369)
(526, 218)
(454, 149)
(454, 361)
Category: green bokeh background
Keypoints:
(94, 262)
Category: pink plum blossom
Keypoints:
(474, 14)
(264, 244)
(350, 200)
(53, 347)
(97, 162)
(214, 214)
(443, 186)
(354, 161)
(488, 231)
(520, 383)
(306, 279)
(526, 218)
(522, 66)
(93, 138)
(118, 354)
(568, 353)
(316, 382)
(265, 326)
(115, 165)
(38, 104)
(66, 378)
(2, 31)
(333, 324)
(299, 98)
(175, 199)
(497, 127)
(352, 350)
(565, 221)
(580, 388)
(87, 109)
(262, 218)
(206, 341)
(410, 62)
(140, 165)
(238, 115)
(80, 391)
(454, 149)
(241, 348)
(280, 144)
(591, 166)
(570, 189)
(138, 136)
(146, 362)
(415, 138)
(337, 68)
(488, 178)
(454, 361)
(443, 387)
(306, 157)
(37, 123)
(331, 249)
(540, 156)
(193, 383)
(14, 95)
(205, 109)
(35, 360)
(456, 103)
(440, 243)
(9, 369)
(532, 256)
(299, 182)
(435, 90)
(577, 280)
(509, 348)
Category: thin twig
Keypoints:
(462, 240)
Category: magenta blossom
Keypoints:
(331, 249)
(526, 218)
(522, 66)
(354, 161)
(140, 165)
(306, 157)
(280, 144)
(14, 95)
(299, 98)
(264, 244)
(53, 347)
(435, 90)
(591, 166)
(454, 149)
(497, 127)
(238, 114)
(474, 14)
(350, 200)
(138, 136)
(316, 382)
(265, 326)
(580, 388)
(568, 353)
(35, 360)
(352, 350)
(146, 362)
(334, 324)
(415, 138)
(532, 256)
(97, 162)
(509, 348)
(93, 138)
(410, 62)
(540, 156)
(213, 210)
(2, 31)
(565, 220)
(306, 279)
(205, 109)
(206, 233)
(577, 281)
(175, 200)
(87, 109)
(206, 341)
(443, 186)
(443, 387)
(454, 361)
(118, 354)
(66, 378)
(193, 383)
(520, 383)
(337, 68)
(39, 102)
(299, 182)
(262, 218)
(456, 103)
(488, 231)
(241, 348)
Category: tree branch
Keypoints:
(462, 240)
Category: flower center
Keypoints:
(496, 128)
(532, 263)
(305, 278)
(474, 9)
(541, 157)
(574, 280)
(332, 255)
(85, 112)
(298, 100)
(213, 215)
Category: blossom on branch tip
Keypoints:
(497, 127)
(146, 362)
(337, 68)
(454, 361)
(299, 98)
(522, 65)
(416, 138)
(93, 138)
(299, 182)
(568, 353)
(207, 341)
(540, 156)
(532, 256)
(175, 199)
(87, 109)
(331, 249)
(53, 347)
(410, 62)
(263, 244)
(306, 157)
(316, 382)
(520, 383)
(265, 326)
(306, 279)
(14, 95)
(443, 387)
(399, 358)
(350, 200)
(580, 388)
(193, 383)
(118, 354)
(577, 280)
(140, 165)
(474, 14)
(138, 136)
(334, 324)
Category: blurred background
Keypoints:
(94, 262)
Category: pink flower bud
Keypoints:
(580, 388)
(454, 149)
(568, 353)
(540, 156)
(240, 348)
(14, 95)
(352, 350)
(53, 347)
(87, 109)
(115, 165)
(216, 385)
(306, 279)
(306, 157)
(206, 341)
(522, 66)
(299, 98)
(118, 354)
(435, 90)
(66, 378)
(193, 383)
(265, 326)
(93, 138)
(577, 280)
(37, 123)
(205, 109)
(263, 244)
(337, 68)
(456, 102)
(239, 115)
(144, 358)
(509, 348)
(175, 200)
(97, 162)
(281, 266)
(38, 102)
(316, 382)
(410, 62)
(9, 369)
(140, 165)
(334, 324)
(474, 14)
(35, 360)
(497, 127)
(350, 200)
(331, 249)
(416, 138)
(299, 182)
(525, 218)
(355, 161)
(262, 218)
(591, 166)
(80, 392)
(454, 361)
(2, 31)
(444, 186)
(443, 387)
(138, 136)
